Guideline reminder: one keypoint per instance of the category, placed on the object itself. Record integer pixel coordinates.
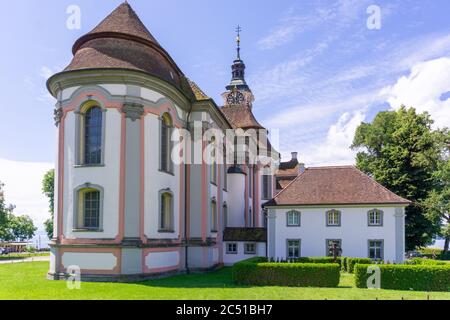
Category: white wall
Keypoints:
(107, 177)
(230, 259)
(89, 261)
(236, 200)
(354, 232)
(156, 180)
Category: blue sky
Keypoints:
(315, 68)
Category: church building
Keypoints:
(148, 181)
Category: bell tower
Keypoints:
(238, 92)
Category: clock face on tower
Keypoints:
(235, 97)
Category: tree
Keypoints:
(22, 228)
(437, 205)
(5, 218)
(48, 188)
(401, 151)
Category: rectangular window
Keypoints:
(333, 244)
(375, 217)
(333, 218)
(91, 209)
(293, 219)
(376, 249)
(232, 248)
(293, 249)
(250, 248)
(267, 187)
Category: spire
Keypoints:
(238, 42)
(238, 68)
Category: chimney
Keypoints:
(294, 156)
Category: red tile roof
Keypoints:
(334, 186)
(241, 116)
(121, 41)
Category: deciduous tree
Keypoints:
(400, 150)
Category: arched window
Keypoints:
(166, 212)
(225, 215)
(333, 218)
(293, 218)
(91, 135)
(213, 216)
(375, 218)
(88, 208)
(165, 143)
(213, 165)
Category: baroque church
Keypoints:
(135, 197)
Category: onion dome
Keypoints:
(121, 41)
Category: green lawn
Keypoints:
(27, 281)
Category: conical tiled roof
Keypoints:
(121, 41)
(123, 20)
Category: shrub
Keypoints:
(408, 277)
(344, 264)
(318, 260)
(256, 271)
(430, 253)
(427, 262)
(352, 261)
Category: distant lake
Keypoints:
(438, 244)
(40, 240)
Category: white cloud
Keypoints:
(335, 150)
(340, 14)
(23, 188)
(423, 89)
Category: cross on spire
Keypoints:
(238, 41)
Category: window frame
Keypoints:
(79, 208)
(228, 251)
(246, 251)
(288, 248)
(166, 123)
(327, 249)
(80, 134)
(381, 248)
(299, 218)
(327, 218)
(214, 216)
(380, 224)
(225, 215)
(266, 187)
(171, 218)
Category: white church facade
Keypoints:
(136, 197)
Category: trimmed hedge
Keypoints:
(407, 277)
(344, 264)
(426, 262)
(256, 271)
(318, 260)
(351, 262)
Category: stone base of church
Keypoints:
(129, 278)
(124, 262)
